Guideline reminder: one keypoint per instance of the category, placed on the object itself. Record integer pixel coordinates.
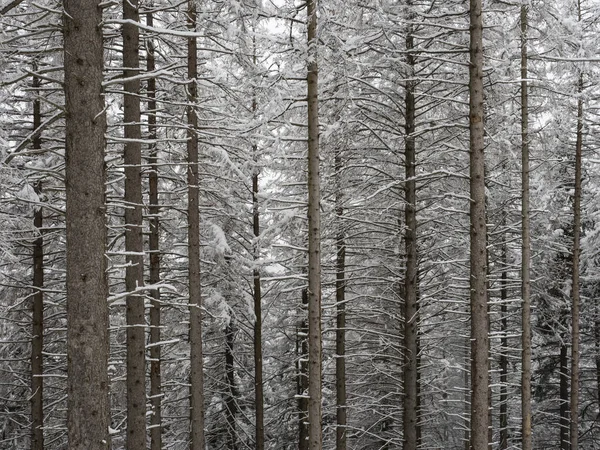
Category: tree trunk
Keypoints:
(154, 247)
(88, 410)
(258, 369)
(478, 258)
(314, 238)
(195, 301)
(37, 312)
(340, 298)
(526, 246)
(134, 244)
(574, 398)
(411, 316)
(504, 345)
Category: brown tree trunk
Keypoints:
(88, 410)
(526, 246)
(134, 244)
(37, 312)
(574, 398)
(154, 247)
(258, 369)
(411, 316)
(478, 284)
(195, 301)
(340, 299)
(314, 238)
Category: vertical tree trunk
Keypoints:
(37, 312)
(314, 238)
(302, 374)
(564, 397)
(88, 410)
(525, 246)
(134, 244)
(574, 399)
(258, 369)
(195, 301)
(504, 345)
(154, 247)
(478, 258)
(340, 298)
(231, 397)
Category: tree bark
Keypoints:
(575, 295)
(302, 374)
(154, 248)
(504, 435)
(314, 238)
(478, 258)
(88, 410)
(195, 301)
(37, 312)
(525, 247)
(340, 299)
(134, 244)
(411, 316)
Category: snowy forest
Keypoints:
(299, 224)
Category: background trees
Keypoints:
(215, 124)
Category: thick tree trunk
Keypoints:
(258, 369)
(154, 247)
(525, 246)
(314, 238)
(195, 301)
(575, 296)
(88, 410)
(134, 244)
(340, 299)
(37, 312)
(411, 316)
(478, 258)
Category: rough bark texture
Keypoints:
(575, 296)
(340, 299)
(258, 369)
(134, 244)
(88, 414)
(314, 238)
(478, 258)
(525, 247)
(154, 248)
(411, 317)
(195, 301)
(37, 311)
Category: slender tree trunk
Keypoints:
(196, 359)
(526, 246)
(504, 345)
(467, 395)
(231, 401)
(564, 397)
(340, 298)
(314, 238)
(134, 244)
(88, 410)
(574, 398)
(302, 375)
(411, 317)
(154, 247)
(37, 313)
(258, 369)
(478, 284)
